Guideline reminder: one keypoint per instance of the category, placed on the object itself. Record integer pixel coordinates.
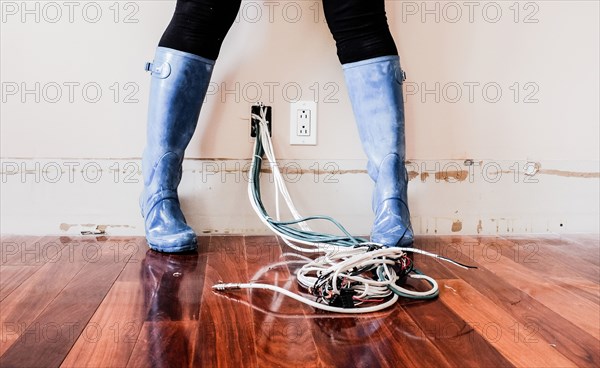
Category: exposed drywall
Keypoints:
(493, 89)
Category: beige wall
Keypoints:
(506, 84)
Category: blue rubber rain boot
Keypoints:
(375, 89)
(178, 87)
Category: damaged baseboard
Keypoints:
(462, 197)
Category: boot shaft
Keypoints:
(177, 91)
(375, 90)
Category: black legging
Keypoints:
(359, 27)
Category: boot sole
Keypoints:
(171, 249)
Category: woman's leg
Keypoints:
(360, 29)
(374, 79)
(181, 72)
(199, 26)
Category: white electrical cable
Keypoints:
(329, 308)
(282, 189)
(338, 263)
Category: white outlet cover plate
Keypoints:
(304, 139)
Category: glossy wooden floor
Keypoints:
(109, 302)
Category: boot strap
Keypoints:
(161, 71)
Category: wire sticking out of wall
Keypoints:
(351, 274)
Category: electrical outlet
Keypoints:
(303, 123)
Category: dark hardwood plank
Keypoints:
(504, 262)
(367, 340)
(22, 256)
(172, 295)
(573, 247)
(51, 335)
(12, 277)
(559, 264)
(340, 340)
(165, 344)
(12, 247)
(576, 344)
(172, 285)
(459, 343)
(21, 307)
(580, 286)
(282, 334)
(431, 266)
(91, 302)
(33, 251)
(226, 333)
(402, 326)
(518, 343)
(588, 245)
(552, 257)
(410, 343)
(385, 339)
(113, 330)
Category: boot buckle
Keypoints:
(161, 71)
(400, 75)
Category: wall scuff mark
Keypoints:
(451, 174)
(570, 174)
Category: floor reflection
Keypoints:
(276, 311)
(171, 299)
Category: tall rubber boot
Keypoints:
(178, 87)
(375, 89)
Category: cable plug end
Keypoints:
(223, 287)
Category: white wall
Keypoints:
(513, 86)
